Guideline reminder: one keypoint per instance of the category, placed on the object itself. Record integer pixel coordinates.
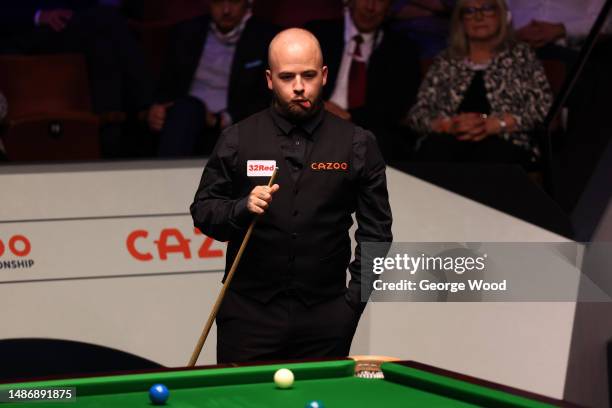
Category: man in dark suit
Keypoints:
(289, 298)
(118, 75)
(373, 72)
(214, 75)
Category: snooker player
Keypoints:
(289, 298)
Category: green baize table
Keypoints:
(332, 382)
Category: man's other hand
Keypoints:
(260, 198)
(156, 116)
(56, 19)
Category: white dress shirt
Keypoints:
(340, 94)
(212, 77)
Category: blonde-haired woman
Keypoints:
(484, 95)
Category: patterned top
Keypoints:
(515, 82)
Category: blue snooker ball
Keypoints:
(159, 394)
(315, 404)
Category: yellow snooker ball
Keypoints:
(283, 378)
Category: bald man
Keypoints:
(289, 298)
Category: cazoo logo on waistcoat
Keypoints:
(329, 166)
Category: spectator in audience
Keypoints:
(547, 22)
(425, 22)
(484, 95)
(119, 77)
(214, 75)
(373, 72)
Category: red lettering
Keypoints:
(131, 241)
(164, 248)
(26, 245)
(344, 166)
(205, 251)
(1, 247)
(171, 240)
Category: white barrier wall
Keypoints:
(116, 262)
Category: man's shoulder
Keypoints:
(232, 134)
(363, 135)
(337, 121)
(250, 122)
(347, 127)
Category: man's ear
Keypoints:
(269, 78)
(324, 73)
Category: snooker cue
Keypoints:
(228, 279)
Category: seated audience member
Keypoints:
(425, 22)
(214, 75)
(482, 96)
(554, 22)
(118, 75)
(373, 72)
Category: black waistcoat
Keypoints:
(302, 241)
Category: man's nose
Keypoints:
(369, 5)
(298, 85)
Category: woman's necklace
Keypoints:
(477, 66)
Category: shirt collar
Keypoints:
(309, 125)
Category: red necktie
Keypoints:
(357, 77)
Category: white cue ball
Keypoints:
(283, 378)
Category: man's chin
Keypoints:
(299, 112)
(226, 27)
